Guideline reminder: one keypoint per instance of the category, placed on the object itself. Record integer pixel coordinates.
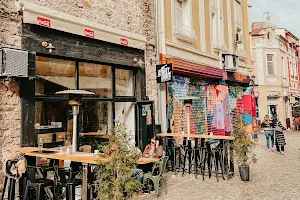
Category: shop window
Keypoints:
(124, 83)
(51, 122)
(54, 75)
(95, 116)
(124, 112)
(96, 78)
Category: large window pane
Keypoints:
(95, 78)
(54, 75)
(52, 121)
(95, 117)
(125, 114)
(124, 82)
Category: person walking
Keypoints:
(269, 132)
(279, 136)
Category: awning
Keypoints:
(196, 69)
(85, 83)
(39, 15)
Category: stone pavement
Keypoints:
(273, 177)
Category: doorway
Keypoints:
(145, 123)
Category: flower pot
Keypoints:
(244, 172)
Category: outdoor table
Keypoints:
(224, 139)
(81, 157)
(84, 158)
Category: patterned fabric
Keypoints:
(279, 136)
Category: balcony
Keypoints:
(185, 33)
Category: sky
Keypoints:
(284, 13)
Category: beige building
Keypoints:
(276, 71)
(206, 39)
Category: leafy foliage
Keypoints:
(242, 145)
(115, 180)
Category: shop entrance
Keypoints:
(144, 123)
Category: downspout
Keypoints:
(220, 32)
(162, 94)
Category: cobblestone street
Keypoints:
(273, 177)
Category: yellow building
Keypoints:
(275, 69)
(206, 40)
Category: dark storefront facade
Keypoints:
(109, 70)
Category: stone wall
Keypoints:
(10, 118)
(10, 106)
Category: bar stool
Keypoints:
(37, 181)
(11, 179)
(188, 152)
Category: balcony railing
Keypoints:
(185, 33)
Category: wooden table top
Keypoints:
(81, 157)
(217, 137)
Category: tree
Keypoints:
(115, 179)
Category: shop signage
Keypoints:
(44, 22)
(89, 33)
(124, 41)
(164, 73)
(144, 110)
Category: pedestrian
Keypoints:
(269, 132)
(279, 136)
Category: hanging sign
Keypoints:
(164, 73)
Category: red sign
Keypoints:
(43, 22)
(124, 41)
(89, 33)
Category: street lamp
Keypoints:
(75, 98)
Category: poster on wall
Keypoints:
(164, 73)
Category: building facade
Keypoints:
(106, 47)
(276, 68)
(208, 43)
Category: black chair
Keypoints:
(11, 179)
(65, 179)
(37, 180)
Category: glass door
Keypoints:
(144, 122)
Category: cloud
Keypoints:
(284, 13)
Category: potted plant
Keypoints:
(115, 179)
(243, 150)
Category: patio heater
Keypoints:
(188, 101)
(75, 98)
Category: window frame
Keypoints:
(114, 98)
(273, 62)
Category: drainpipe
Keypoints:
(162, 93)
(220, 32)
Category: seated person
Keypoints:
(150, 150)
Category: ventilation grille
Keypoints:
(14, 63)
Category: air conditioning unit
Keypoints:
(238, 38)
(13, 63)
(231, 63)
